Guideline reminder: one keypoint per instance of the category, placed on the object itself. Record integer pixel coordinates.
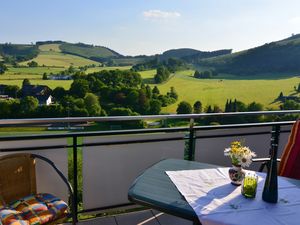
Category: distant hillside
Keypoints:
(274, 57)
(51, 55)
(97, 53)
(178, 53)
(191, 55)
(18, 52)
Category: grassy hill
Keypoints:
(192, 55)
(51, 55)
(97, 53)
(276, 57)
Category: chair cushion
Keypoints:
(33, 210)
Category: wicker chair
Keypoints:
(19, 193)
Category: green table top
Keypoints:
(154, 189)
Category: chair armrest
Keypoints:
(65, 180)
(263, 162)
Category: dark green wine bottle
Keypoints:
(270, 191)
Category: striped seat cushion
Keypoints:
(33, 210)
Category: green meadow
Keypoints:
(261, 89)
(50, 55)
(50, 47)
(97, 69)
(50, 83)
(60, 60)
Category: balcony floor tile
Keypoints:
(147, 217)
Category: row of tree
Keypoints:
(102, 93)
(162, 74)
(205, 74)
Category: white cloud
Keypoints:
(156, 14)
(295, 20)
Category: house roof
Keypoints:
(35, 90)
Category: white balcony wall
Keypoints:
(108, 171)
(48, 180)
(211, 150)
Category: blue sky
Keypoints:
(134, 27)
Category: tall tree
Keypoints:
(3, 68)
(79, 88)
(12, 90)
(92, 104)
(26, 82)
(155, 107)
(184, 108)
(173, 93)
(197, 107)
(28, 105)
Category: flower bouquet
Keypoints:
(241, 156)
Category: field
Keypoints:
(50, 55)
(263, 90)
(50, 83)
(148, 76)
(97, 69)
(50, 47)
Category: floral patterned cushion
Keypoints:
(33, 210)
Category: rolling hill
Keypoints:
(191, 55)
(51, 55)
(97, 53)
(276, 57)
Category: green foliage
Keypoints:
(117, 78)
(32, 64)
(162, 74)
(155, 107)
(16, 52)
(290, 105)
(173, 93)
(121, 111)
(204, 74)
(45, 77)
(3, 68)
(92, 104)
(171, 64)
(79, 88)
(12, 91)
(26, 82)
(235, 106)
(58, 93)
(184, 108)
(197, 107)
(28, 106)
(155, 91)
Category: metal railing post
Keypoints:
(75, 178)
(191, 152)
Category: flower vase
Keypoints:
(236, 174)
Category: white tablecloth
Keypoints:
(216, 201)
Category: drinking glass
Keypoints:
(249, 185)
